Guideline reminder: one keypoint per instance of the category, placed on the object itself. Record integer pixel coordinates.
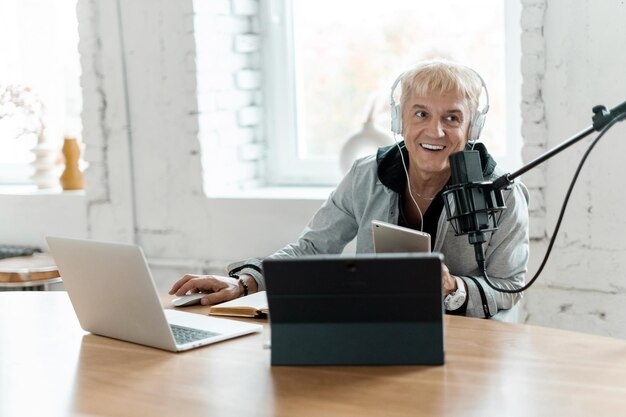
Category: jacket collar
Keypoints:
(391, 172)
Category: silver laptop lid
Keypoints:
(112, 291)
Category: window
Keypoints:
(326, 60)
(38, 42)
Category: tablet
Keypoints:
(330, 310)
(393, 238)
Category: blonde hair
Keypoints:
(440, 77)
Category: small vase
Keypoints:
(72, 178)
(44, 164)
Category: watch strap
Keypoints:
(455, 295)
(483, 297)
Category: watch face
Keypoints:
(454, 301)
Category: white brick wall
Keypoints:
(247, 43)
(248, 79)
(110, 205)
(568, 67)
(245, 7)
(229, 87)
(533, 114)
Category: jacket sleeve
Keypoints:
(506, 255)
(332, 227)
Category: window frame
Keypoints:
(283, 167)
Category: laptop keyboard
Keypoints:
(10, 251)
(184, 335)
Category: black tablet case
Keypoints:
(383, 309)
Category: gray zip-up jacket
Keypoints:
(361, 197)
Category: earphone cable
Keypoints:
(408, 182)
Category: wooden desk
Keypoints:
(50, 367)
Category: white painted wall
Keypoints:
(28, 218)
(584, 285)
(145, 182)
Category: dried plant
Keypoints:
(20, 104)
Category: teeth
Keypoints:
(432, 147)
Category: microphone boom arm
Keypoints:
(473, 207)
(601, 118)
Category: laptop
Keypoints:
(113, 294)
(366, 309)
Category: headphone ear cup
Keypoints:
(396, 119)
(476, 127)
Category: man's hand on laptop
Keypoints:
(217, 288)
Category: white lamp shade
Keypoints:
(363, 143)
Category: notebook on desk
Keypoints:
(113, 294)
(383, 309)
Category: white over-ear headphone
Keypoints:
(476, 126)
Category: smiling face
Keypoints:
(433, 128)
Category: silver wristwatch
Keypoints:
(456, 299)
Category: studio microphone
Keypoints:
(473, 205)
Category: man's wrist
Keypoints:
(243, 285)
(451, 279)
(457, 298)
(247, 284)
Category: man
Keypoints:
(403, 185)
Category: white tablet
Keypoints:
(393, 238)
